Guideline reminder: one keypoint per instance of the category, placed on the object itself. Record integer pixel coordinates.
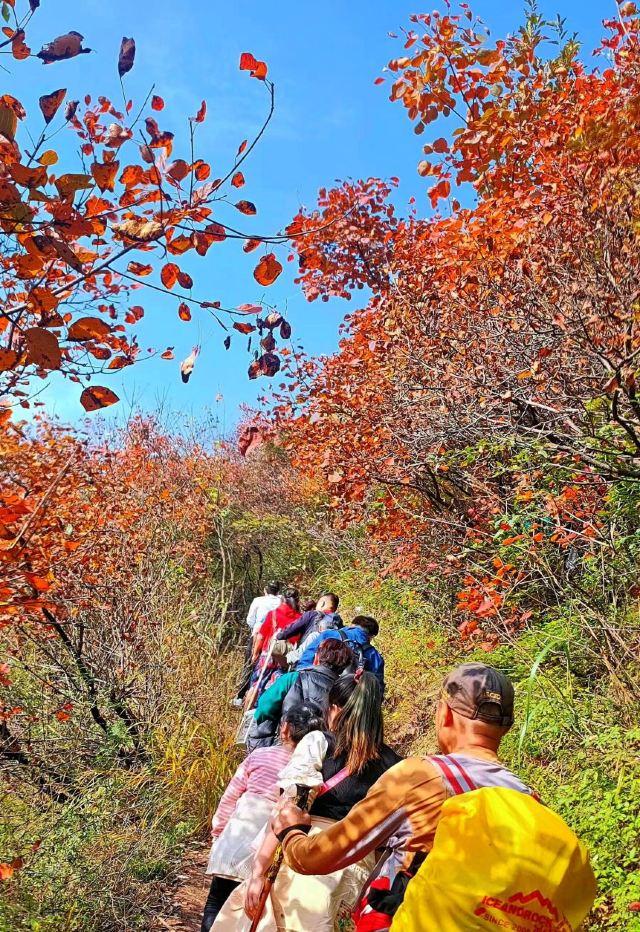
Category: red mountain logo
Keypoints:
(522, 912)
(525, 899)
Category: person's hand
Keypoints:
(289, 814)
(252, 896)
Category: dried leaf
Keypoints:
(246, 207)
(43, 349)
(127, 55)
(88, 328)
(63, 47)
(97, 396)
(50, 103)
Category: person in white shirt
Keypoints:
(258, 611)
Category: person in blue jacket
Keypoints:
(358, 636)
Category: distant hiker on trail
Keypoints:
(352, 757)
(245, 808)
(358, 636)
(285, 614)
(258, 611)
(326, 610)
(471, 879)
(324, 616)
(299, 687)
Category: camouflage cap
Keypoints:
(475, 690)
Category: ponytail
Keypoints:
(292, 598)
(358, 730)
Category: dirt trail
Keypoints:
(185, 911)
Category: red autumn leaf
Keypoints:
(201, 114)
(243, 327)
(249, 308)
(178, 170)
(202, 170)
(157, 103)
(43, 349)
(97, 396)
(216, 232)
(180, 245)
(242, 146)
(184, 313)
(238, 180)
(137, 268)
(246, 207)
(50, 103)
(104, 174)
(169, 275)
(184, 280)
(19, 49)
(251, 244)
(257, 68)
(88, 328)
(267, 270)
(168, 353)
(8, 359)
(127, 56)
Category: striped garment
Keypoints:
(257, 775)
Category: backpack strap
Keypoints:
(333, 781)
(455, 776)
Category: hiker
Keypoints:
(326, 610)
(358, 636)
(299, 687)
(355, 756)
(245, 807)
(258, 611)
(474, 713)
(287, 613)
(325, 616)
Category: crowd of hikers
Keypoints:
(325, 827)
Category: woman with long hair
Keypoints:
(353, 757)
(245, 807)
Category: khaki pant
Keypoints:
(299, 903)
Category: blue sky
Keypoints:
(331, 122)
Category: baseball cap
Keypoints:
(475, 690)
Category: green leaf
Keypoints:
(6, 15)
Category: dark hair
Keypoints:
(335, 654)
(272, 587)
(333, 598)
(309, 605)
(302, 719)
(358, 730)
(292, 597)
(369, 624)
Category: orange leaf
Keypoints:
(48, 158)
(246, 207)
(96, 397)
(104, 174)
(184, 312)
(8, 359)
(179, 245)
(169, 275)
(238, 180)
(168, 354)
(267, 270)
(243, 327)
(250, 245)
(42, 348)
(201, 114)
(88, 328)
(157, 103)
(137, 268)
(18, 47)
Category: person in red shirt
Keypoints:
(278, 618)
(282, 616)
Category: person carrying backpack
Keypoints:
(358, 636)
(473, 848)
(321, 618)
(310, 687)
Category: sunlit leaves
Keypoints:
(88, 328)
(258, 69)
(43, 349)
